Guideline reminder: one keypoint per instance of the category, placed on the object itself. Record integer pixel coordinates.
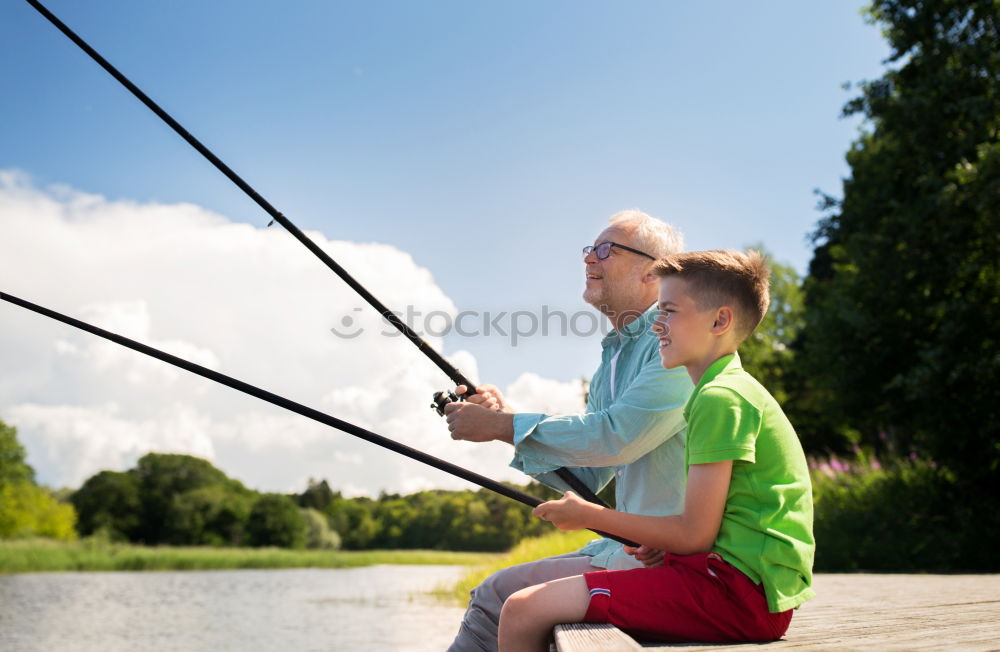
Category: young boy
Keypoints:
(739, 558)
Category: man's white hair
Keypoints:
(655, 237)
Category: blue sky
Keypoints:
(490, 141)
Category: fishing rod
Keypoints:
(292, 406)
(440, 399)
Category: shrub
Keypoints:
(27, 510)
(909, 516)
(318, 532)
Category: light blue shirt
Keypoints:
(633, 430)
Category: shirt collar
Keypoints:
(632, 330)
(725, 363)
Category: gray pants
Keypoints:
(479, 625)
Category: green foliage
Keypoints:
(275, 520)
(903, 307)
(768, 353)
(172, 499)
(13, 467)
(317, 495)
(109, 502)
(27, 510)
(353, 521)
(318, 532)
(771, 354)
(215, 515)
(909, 517)
(161, 478)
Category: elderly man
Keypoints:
(632, 429)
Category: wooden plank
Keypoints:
(889, 612)
(593, 637)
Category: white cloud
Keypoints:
(532, 393)
(249, 302)
(72, 442)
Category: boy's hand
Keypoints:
(486, 395)
(568, 513)
(649, 557)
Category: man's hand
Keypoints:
(568, 513)
(486, 395)
(471, 422)
(648, 556)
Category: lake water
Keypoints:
(372, 608)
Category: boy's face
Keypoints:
(685, 333)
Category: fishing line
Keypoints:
(440, 398)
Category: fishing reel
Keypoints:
(442, 399)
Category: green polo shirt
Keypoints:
(766, 529)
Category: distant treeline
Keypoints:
(169, 499)
(184, 500)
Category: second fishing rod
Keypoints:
(440, 399)
(298, 408)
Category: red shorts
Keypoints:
(689, 598)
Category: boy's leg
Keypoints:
(529, 615)
(478, 632)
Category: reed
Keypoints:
(43, 555)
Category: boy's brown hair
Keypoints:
(723, 277)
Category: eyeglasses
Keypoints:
(603, 250)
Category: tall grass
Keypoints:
(556, 543)
(41, 555)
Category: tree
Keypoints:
(275, 520)
(163, 476)
(109, 501)
(26, 509)
(13, 467)
(215, 515)
(354, 522)
(317, 495)
(768, 352)
(903, 293)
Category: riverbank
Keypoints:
(42, 555)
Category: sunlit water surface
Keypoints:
(372, 608)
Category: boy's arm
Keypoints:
(688, 533)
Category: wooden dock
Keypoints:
(856, 612)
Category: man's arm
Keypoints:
(647, 413)
(491, 425)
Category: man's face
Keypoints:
(616, 281)
(685, 333)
